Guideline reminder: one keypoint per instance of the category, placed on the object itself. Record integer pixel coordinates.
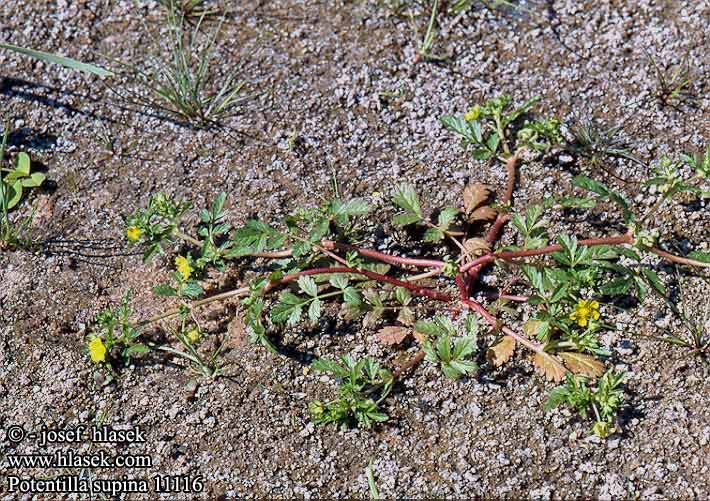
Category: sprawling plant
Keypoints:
(559, 284)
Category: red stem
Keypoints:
(494, 232)
(462, 282)
(488, 258)
(510, 165)
(488, 316)
(416, 289)
(381, 256)
(678, 259)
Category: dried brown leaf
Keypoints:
(579, 363)
(350, 311)
(420, 337)
(477, 246)
(501, 352)
(393, 334)
(532, 327)
(484, 213)
(549, 366)
(406, 317)
(475, 195)
(372, 317)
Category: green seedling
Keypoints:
(13, 184)
(487, 128)
(453, 355)
(594, 142)
(209, 365)
(696, 340)
(363, 387)
(674, 86)
(601, 403)
(114, 338)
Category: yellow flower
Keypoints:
(584, 311)
(183, 267)
(601, 429)
(472, 113)
(97, 350)
(133, 233)
(193, 335)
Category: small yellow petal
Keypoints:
(133, 233)
(183, 267)
(193, 336)
(97, 350)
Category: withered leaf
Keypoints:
(393, 334)
(484, 213)
(501, 352)
(420, 337)
(476, 246)
(549, 366)
(372, 317)
(350, 311)
(532, 327)
(406, 316)
(475, 195)
(579, 363)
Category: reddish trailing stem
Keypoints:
(488, 258)
(677, 259)
(461, 282)
(494, 231)
(416, 289)
(510, 165)
(381, 256)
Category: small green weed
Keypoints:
(601, 403)
(595, 142)
(190, 10)
(182, 84)
(359, 382)
(454, 356)
(13, 183)
(673, 85)
(697, 323)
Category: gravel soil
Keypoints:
(338, 77)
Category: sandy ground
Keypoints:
(325, 68)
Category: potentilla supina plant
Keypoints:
(316, 256)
